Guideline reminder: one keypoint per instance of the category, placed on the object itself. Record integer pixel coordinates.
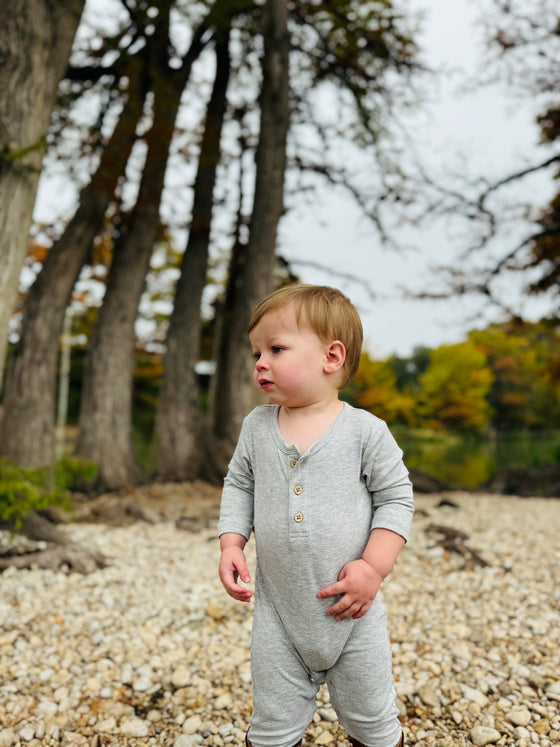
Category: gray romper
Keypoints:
(311, 515)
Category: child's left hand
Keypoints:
(358, 583)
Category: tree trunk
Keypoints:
(251, 273)
(27, 426)
(179, 411)
(35, 42)
(105, 435)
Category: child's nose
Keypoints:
(261, 363)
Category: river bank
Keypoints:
(150, 650)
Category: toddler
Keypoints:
(324, 488)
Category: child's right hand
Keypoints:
(233, 567)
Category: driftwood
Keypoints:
(453, 540)
(43, 545)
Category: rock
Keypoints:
(192, 724)
(481, 735)
(542, 726)
(223, 701)
(429, 696)
(135, 727)
(181, 677)
(519, 716)
(154, 633)
(7, 737)
(107, 725)
(142, 684)
(188, 740)
(474, 696)
(215, 611)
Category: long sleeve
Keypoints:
(387, 479)
(237, 507)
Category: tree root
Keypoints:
(47, 547)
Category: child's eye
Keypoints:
(276, 349)
(256, 356)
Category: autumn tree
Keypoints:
(375, 388)
(524, 359)
(454, 388)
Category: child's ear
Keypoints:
(335, 357)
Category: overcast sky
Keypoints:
(487, 132)
(490, 131)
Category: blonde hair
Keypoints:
(329, 313)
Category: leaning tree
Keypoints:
(35, 42)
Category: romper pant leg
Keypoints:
(283, 693)
(361, 683)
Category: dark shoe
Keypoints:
(355, 743)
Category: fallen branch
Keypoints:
(455, 541)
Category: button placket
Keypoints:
(297, 501)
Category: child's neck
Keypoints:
(302, 426)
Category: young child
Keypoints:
(324, 488)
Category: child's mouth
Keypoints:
(265, 383)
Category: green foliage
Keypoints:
(525, 362)
(458, 460)
(467, 460)
(454, 388)
(23, 491)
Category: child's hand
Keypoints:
(358, 583)
(232, 567)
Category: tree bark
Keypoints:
(105, 418)
(179, 411)
(35, 42)
(251, 271)
(27, 425)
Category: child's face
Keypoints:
(289, 360)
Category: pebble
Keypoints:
(192, 724)
(135, 727)
(481, 735)
(429, 696)
(7, 737)
(520, 717)
(151, 651)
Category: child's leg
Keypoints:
(361, 683)
(283, 693)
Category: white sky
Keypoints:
(491, 132)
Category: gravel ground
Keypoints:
(151, 651)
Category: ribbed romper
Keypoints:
(312, 514)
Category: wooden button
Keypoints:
(298, 517)
(293, 463)
(298, 490)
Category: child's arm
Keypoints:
(233, 566)
(359, 581)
